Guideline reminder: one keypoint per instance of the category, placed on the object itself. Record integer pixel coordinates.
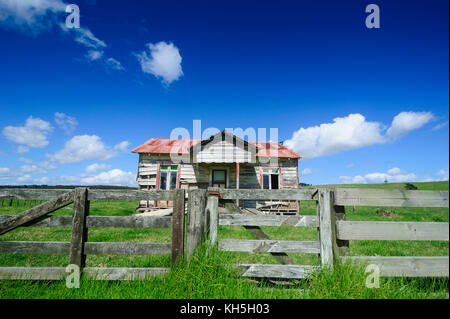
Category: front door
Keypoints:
(219, 178)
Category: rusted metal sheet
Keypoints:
(182, 146)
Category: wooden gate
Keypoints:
(80, 222)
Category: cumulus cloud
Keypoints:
(122, 146)
(32, 169)
(352, 132)
(393, 175)
(163, 60)
(405, 122)
(345, 133)
(33, 134)
(96, 167)
(83, 147)
(307, 171)
(112, 177)
(66, 122)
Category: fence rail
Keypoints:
(80, 221)
(203, 217)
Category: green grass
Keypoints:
(208, 276)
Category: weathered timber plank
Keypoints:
(266, 194)
(407, 266)
(327, 232)
(212, 210)
(130, 195)
(276, 271)
(90, 248)
(134, 221)
(96, 273)
(32, 194)
(178, 225)
(32, 273)
(260, 220)
(127, 248)
(35, 247)
(258, 233)
(79, 229)
(365, 230)
(36, 212)
(196, 220)
(389, 197)
(269, 246)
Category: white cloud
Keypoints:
(33, 134)
(22, 149)
(6, 173)
(352, 132)
(26, 160)
(122, 146)
(66, 122)
(85, 37)
(47, 165)
(307, 171)
(96, 167)
(94, 55)
(114, 64)
(35, 16)
(30, 15)
(405, 122)
(163, 60)
(443, 174)
(394, 175)
(112, 177)
(83, 147)
(439, 126)
(350, 165)
(345, 133)
(32, 169)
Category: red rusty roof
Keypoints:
(181, 146)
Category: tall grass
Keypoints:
(209, 275)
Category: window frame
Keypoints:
(169, 176)
(261, 173)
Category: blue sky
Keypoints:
(362, 105)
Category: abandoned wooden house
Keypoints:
(224, 160)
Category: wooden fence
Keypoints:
(204, 218)
(334, 231)
(80, 222)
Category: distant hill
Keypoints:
(426, 186)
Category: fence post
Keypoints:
(178, 225)
(79, 229)
(196, 220)
(327, 228)
(212, 210)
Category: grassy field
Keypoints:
(207, 276)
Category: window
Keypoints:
(168, 177)
(219, 178)
(270, 178)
